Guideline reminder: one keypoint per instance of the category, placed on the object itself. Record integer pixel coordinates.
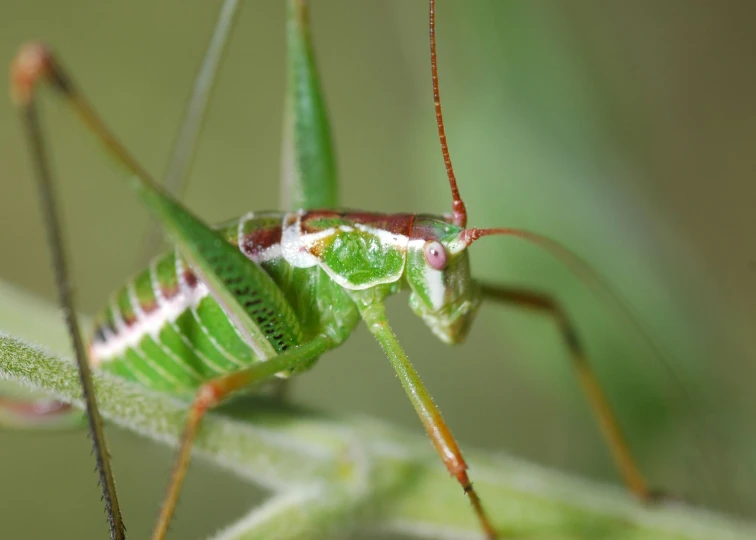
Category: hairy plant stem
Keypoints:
(340, 474)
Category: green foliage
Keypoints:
(336, 474)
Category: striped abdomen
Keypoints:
(164, 330)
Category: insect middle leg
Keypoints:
(607, 420)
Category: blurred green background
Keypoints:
(623, 130)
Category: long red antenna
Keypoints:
(459, 212)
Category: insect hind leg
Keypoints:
(31, 64)
(605, 417)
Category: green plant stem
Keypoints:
(315, 514)
(365, 473)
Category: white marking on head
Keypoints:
(434, 279)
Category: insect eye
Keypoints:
(435, 254)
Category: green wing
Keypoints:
(248, 295)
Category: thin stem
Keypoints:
(285, 448)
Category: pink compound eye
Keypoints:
(435, 254)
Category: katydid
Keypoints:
(266, 295)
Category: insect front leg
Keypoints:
(374, 315)
(605, 416)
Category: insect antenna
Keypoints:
(580, 268)
(459, 212)
(182, 154)
(611, 299)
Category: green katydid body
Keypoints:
(269, 293)
(166, 331)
